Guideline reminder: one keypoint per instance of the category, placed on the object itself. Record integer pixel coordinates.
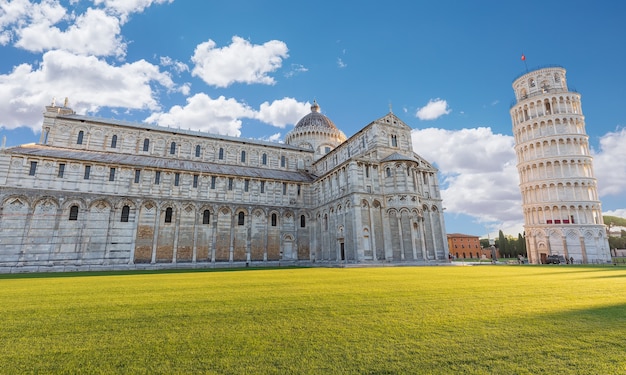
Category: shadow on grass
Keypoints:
(615, 312)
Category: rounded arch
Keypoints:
(100, 204)
(11, 198)
(80, 202)
(224, 210)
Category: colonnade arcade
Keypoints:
(409, 233)
(549, 127)
(556, 169)
(554, 147)
(587, 214)
(547, 106)
(571, 191)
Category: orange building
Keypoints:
(465, 246)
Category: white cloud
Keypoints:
(34, 26)
(480, 180)
(340, 63)
(241, 62)
(178, 66)
(216, 116)
(433, 110)
(272, 138)
(92, 33)
(90, 83)
(20, 13)
(609, 163)
(296, 69)
(283, 112)
(620, 212)
(124, 8)
(223, 116)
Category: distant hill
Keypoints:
(614, 221)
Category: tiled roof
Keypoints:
(194, 133)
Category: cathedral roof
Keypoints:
(398, 157)
(315, 119)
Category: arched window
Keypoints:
(114, 141)
(198, 151)
(173, 148)
(146, 144)
(264, 159)
(326, 222)
(273, 220)
(74, 213)
(394, 141)
(125, 214)
(206, 215)
(221, 154)
(283, 161)
(388, 171)
(81, 134)
(243, 156)
(241, 219)
(302, 221)
(168, 215)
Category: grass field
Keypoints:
(395, 320)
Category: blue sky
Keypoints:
(252, 68)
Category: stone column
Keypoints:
(399, 219)
(131, 259)
(176, 229)
(155, 236)
(194, 251)
(422, 238)
(372, 233)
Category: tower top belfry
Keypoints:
(541, 81)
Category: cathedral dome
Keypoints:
(315, 119)
(315, 132)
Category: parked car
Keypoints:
(555, 259)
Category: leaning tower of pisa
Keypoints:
(562, 212)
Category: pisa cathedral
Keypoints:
(562, 211)
(98, 194)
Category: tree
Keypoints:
(521, 244)
(484, 243)
(502, 244)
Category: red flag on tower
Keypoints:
(523, 57)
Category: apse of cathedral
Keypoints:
(99, 193)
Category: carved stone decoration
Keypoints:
(16, 205)
(101, 206)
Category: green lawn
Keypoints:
(393, 320)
